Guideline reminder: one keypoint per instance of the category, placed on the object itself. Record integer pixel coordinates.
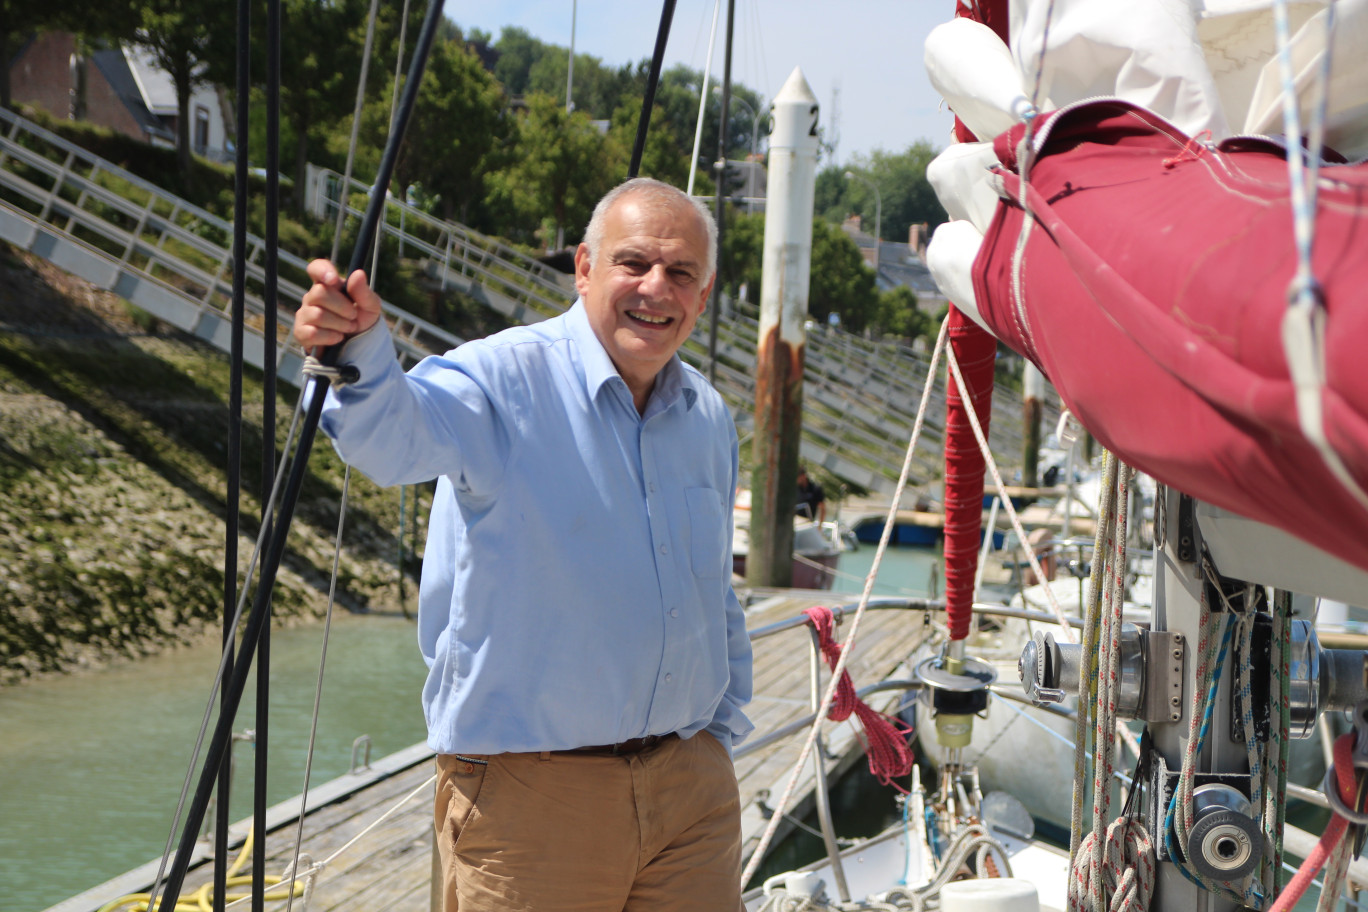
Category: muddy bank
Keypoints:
(113, 490)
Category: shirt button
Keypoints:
(664, 550)
(650, 486)
(674, 612)
(669, 678)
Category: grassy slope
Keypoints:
(113, 485)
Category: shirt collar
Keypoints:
(672, 382)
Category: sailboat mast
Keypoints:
(720, 175)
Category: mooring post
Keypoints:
(780, 349)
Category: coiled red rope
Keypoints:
(1334, 831)
(885, 739)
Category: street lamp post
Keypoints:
(878, 216)
(755, 134)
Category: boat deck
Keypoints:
(389, 866)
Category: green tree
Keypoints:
(743, 251)
(456, 123)
(661, 158)
(597, 89)
(319, 76)
(677, 97)
(563, 165)
(839, 281)
(906, 194)
(897, 314)
(518, 51)
(177, 33)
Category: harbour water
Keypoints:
(93, 762)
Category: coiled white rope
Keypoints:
(1124, 879)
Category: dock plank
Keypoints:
(390, 866)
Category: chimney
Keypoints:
(918, 235)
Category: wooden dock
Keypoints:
(388, 865)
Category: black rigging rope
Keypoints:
(275, 547)
(271, 265)
(233, 493)
(657, 60)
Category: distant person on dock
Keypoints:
(588, 660)
(811, 497)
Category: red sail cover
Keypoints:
(975, 351)
(1153, 290)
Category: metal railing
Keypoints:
(174, 260)
(167, 256)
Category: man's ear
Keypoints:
(707, 294)
(582, 269)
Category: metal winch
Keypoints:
(1151, 675)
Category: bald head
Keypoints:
(651, 193)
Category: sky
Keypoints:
(864, 57)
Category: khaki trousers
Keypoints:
(658, 830)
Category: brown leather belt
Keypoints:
(634, 746)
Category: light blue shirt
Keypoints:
(577, 580)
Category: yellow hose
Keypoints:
(202, 900)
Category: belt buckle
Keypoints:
(635, 745)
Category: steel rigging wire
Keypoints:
(275, 548)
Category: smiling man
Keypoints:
(588, 660)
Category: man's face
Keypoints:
(648, 285)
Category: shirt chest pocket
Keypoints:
(707, 532)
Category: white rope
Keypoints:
(337, 375)
(1127, 872)
(1025, 160)
(1113, 869)
(1109, 660)
(394, 104)
(356, 124)
(318, 685)
(847, 648)
(1087, 679)
(310, 871)
(703, 98)
(1303, 324)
